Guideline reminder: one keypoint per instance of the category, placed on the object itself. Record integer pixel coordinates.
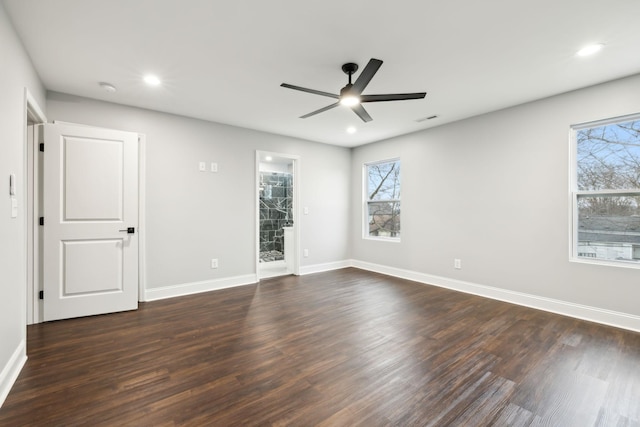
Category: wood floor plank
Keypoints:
(342, 348)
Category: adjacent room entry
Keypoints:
(276, 215)
(89, 195)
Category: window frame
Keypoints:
(575, 193)
(366, 201)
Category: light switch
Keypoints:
(14, 207)
(305, 210)
(214, 167)
(202, 166)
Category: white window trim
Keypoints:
(365, 201)
(574, 193)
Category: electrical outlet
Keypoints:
(214, 167)
(457, 264)
(214, 262)
(305, 253)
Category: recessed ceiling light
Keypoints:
(590, 50)
(108, 87)
(151, 80)
(268, 158)
(351, 129)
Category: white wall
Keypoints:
(194, 216)
(493, 191)
(16, 73)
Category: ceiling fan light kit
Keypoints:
(351, 95)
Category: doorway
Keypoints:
(276, 216)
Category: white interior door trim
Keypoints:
(142, 215)
(35, 115)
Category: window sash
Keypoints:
(384, 222)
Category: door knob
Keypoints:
(128, 230)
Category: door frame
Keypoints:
(295, 160)
(34, 115)
(34, 261)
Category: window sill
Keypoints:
(383, 239)
(606, 263)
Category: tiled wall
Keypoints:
(276, 195)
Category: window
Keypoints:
(382, 206)
(606, 191)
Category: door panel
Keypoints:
(105, 276)
(93, 184)
(90, 199)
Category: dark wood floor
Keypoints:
(344, 348)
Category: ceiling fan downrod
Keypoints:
(349, 68)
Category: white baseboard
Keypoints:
(198, 287)
(584, 312)
(592, 314)
(319, 268)
(172, 291)
(11, 370)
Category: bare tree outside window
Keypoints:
(383, 199)
(607, 197)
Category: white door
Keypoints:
(90, 239)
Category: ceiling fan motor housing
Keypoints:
(345, 90)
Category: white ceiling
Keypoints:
(224, 60)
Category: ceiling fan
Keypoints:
(351, 95)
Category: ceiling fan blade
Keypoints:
(313, 113)
(392, 97)
(304, 89)
(362, 113)
(366, 75)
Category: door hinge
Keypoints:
(42, 147)
(41, 220)
(41, 295)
